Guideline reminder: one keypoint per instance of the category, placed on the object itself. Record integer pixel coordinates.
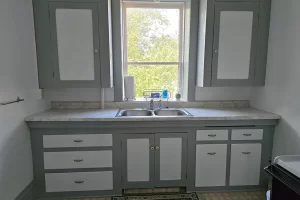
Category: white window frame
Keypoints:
(162, 5)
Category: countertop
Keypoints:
(59, 115)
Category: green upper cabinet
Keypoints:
(232, 48)
(73, 44)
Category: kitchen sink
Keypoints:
(177, 112)
(134, 113)
(153, 113)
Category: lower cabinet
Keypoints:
(154, 160)
(211, 165)
(245, 164)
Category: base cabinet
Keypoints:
(154, 160)
(245, 164)
(211, 165)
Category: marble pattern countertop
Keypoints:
(54, 115)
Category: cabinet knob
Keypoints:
(96, 50)
(79, 182)
(157, 147)
(216, 50)
(152, 148)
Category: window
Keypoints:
(153, 42)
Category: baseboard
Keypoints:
(28, 193)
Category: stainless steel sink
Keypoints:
(150, 113)
(175, 112)
(134, 113)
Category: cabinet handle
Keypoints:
(247, 134)
(157, 147)
(79, 182)
(246, 152)
(152, 148)
(212, 153)
(212, 135)
(78, 160)
(77, 141)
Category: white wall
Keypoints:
(281, 94)
(18, 77)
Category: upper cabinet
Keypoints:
(232, 43)
(74, 44)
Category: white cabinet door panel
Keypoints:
(245, 164)
(210, 165)
(170, 158)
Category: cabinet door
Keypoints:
(235, 42)
(245, 164)
(170, 159)
(138, 160)
(75, 44)
(210, 165)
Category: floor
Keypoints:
(215, 196)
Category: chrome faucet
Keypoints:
(151, 104)
(152, 107)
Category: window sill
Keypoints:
(141, 100)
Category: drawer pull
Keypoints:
(247, 134)
(212, 135)
(246, 152)
(78, 141)
(212, 153)
(79, 182)
(78, 160)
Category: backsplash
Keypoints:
(130, 105)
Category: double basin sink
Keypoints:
(153, 113)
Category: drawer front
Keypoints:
(79, 181)
(245, 164)
(91, 140)
(77, 159)
(247, 134)
(210, 135)
(211, 165)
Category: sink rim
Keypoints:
(153, 113)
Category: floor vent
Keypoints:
(152, 191)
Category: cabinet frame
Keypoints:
(182, 181)
(146, 184)
(154, 174)
(54, 45)
(235, 6)
(266, 143)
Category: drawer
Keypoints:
(208, 135)
(247, 134)
(79, 181)
(77, 159)
(90, 140)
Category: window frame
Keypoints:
(161, 5)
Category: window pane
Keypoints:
(154, 77)
(152, 35)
